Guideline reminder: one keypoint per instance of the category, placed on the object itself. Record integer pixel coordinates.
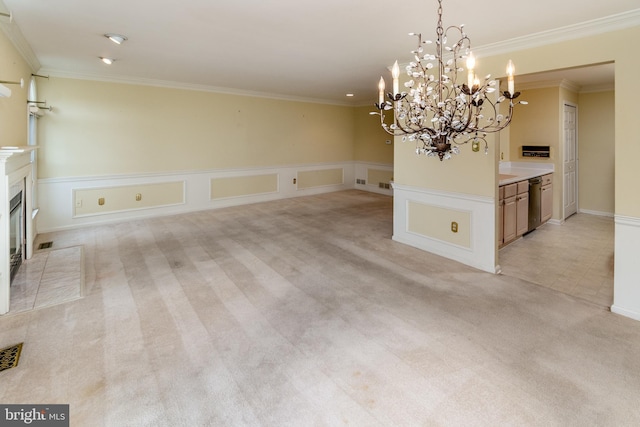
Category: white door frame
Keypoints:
(564, 189)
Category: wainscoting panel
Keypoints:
(60, 207)
(239, 186)
(380, 176)
(368, 177)
(438, 223)
(320, 178)
(415, 225)
(98, 201)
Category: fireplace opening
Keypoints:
(16, 233)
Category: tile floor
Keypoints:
(575, 258)
(50, 277)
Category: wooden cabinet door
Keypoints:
(500, 216)
(501, 222)
(509, 213)
(522, 213)
(546, 203)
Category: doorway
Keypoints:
(555, 256)
(570, 160)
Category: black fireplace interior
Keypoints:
(17, 227)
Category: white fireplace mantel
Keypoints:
(15, 166)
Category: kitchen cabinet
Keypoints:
(513, 211)
(546, 198)
(500, 215)
(509, 223)
(522, 208)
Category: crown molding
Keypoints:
(15, 36)
(184, 86)
(566, 84)
(571, 32)
(609, 87)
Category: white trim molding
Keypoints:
(626, 287)
(57, 201)
(481, 252)
(571, 32)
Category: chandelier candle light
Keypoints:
(438, 113)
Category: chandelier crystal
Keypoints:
(437, 111)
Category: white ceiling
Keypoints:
(304, 49)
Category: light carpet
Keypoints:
(304, 312)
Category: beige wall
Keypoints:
(596, 151)
(370, 139)
(536, 124)
(100, 128)
(13, 110)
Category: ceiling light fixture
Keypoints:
(107, 61)
(438, 113)
(116, 38)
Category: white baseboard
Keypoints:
(635, 315)
(598, 213)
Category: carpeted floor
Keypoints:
(304, 312)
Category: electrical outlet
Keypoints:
(138, 197)
(101, 201)
(454, 226)
(295, 180)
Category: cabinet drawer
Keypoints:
(523, 186)
(500, 193)
(547, 179)
(510, 190)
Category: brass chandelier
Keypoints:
(437, 112)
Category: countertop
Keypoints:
(511, 172)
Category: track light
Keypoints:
(116, 38)
(107, 61)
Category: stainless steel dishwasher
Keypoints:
(535, 195)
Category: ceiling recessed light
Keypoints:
(349, 94)
(107, 61)
(116, 38)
